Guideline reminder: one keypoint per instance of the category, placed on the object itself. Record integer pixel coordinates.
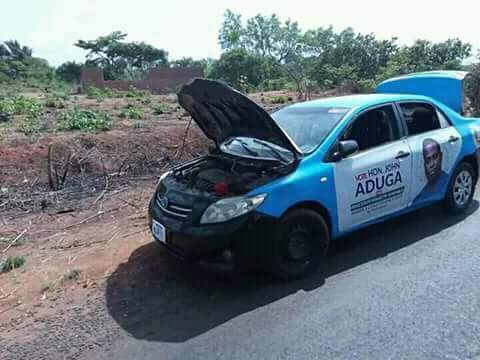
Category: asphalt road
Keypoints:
(405, 289)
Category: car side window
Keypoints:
(374, 128)
(422, 117)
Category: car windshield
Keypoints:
(308, 126)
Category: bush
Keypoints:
(280, 99)
(132, 112)
(85, 120)
(12, 263)
(93, 92)
(72, 275)
(21, 105)
(164, 108)
(55, 100)
(134, 93)
(273, 84)
(29, 125)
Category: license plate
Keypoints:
(158, 231)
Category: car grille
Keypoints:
(173, 209)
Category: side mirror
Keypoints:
(345, 148)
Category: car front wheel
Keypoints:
(300, 244)
(461, 189)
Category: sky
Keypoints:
(190, 27)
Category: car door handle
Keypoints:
(402, 154)
(453, 139)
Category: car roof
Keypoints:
(358, 101)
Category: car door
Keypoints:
(435, 145)
(375, 181)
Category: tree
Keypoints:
(231, 31)
(17, 65)
(264, 36)
(118, 57)
(472, 89)
(238, 68)
(69, 71)
(424, 55)
(13, 50)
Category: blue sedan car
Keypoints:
(277, 190)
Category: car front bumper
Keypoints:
(194, 241)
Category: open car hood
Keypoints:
(223, 112)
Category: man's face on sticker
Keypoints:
(432, 157)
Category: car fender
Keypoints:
(312, 182)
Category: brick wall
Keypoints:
(159, 80)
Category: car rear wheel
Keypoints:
(299, 246)
(460, 189)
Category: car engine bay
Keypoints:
(221, 175)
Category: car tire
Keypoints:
(299, 245)
(460, 189)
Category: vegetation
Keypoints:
(72, 275)
(69, 71)
(472, 90)
(131, 111)
(280, 99)
(118, 58)
(12, 263)
(164, 108)
(55, 100)
(84, 120)
(264, 49)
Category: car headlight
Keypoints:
(163, 176)
(230, 208)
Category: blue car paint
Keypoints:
(313, 180)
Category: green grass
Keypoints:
(12, 263)
(84, 120)
(131, 111)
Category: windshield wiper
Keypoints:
(274, 151)
(245, 146)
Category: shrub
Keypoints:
(135, 93)
(72, 275)
(85, 120)
(29, 125)
(12, 263)
(164, 108)
(55, 100)
(132, 112)
(21, 105)
(279, 99)
(273, 84)
(93, 92)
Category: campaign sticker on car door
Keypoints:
(158, 231)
